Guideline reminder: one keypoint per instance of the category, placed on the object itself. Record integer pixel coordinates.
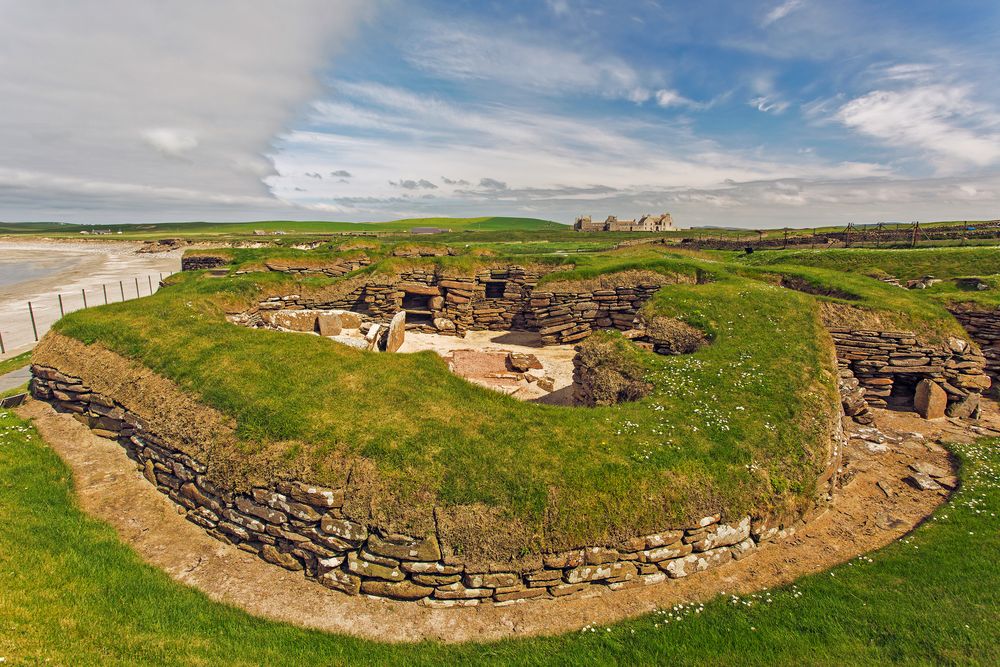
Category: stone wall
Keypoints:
(875, 366)
(570, 316)
(984, 327)
(333, 269)
(201, 262)
(303, 527)
(499, 298)
(887, 366)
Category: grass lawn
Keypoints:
(904, 264)
(73, 594)
(289, 227)
(12, 364)
(763, 393)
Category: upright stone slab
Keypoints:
(372, 336)
(930, 400)
(397, 332)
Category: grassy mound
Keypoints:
(73, 594)
(742, 425)
(857, 301)
(905, 264)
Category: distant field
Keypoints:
(904, 263)
(229, 229)
(483, 229)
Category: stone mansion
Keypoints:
(647, 223)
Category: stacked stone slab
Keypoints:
(202, 262)
(303, 527)
(877, 360)
(984, 328)
(567, 317)
(334, 269)
(499, 298)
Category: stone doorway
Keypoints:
(418, 309)
(904, 390)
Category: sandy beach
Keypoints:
(37, 271)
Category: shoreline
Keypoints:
(93, 264)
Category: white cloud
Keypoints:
(558, 7)
(101, 92)
(520, 161)
(671, 98)
(941, 119)
(169, 141)
(769, 104)
(781, 11)
(524, 61)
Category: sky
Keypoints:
(745, 114)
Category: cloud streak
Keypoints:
(942, 120)
(156, 99)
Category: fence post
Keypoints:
(3, 350)
(121, 286)
(105, 288)
(62, 313)
(31, 311)
(137, 287)
(84, 293)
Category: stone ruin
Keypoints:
(877, 368)
(503, 298)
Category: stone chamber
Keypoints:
(301, 526)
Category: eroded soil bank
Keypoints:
(879, 502)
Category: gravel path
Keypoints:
(15, 378)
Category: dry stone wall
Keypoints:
(876, 367)
(498, 298)
(333, 269)
(303, 527)
(201, 262)
(983, 326)
(882, 368)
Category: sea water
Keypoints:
(20, 266)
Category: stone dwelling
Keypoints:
(647, 223)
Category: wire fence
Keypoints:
(25, 323)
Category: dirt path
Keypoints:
(863, 518)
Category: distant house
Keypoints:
(647, 223)
(428, 230)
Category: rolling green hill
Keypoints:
(231, 229)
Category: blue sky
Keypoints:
(743, 113)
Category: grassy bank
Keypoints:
(904, 264)
(15, 362)
(73, 594)
(762, 395)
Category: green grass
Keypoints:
(15, 362)
(897, 309)
(951, 292)
(73, 594)
(290, 227)
(763, 393)
(904, 264)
